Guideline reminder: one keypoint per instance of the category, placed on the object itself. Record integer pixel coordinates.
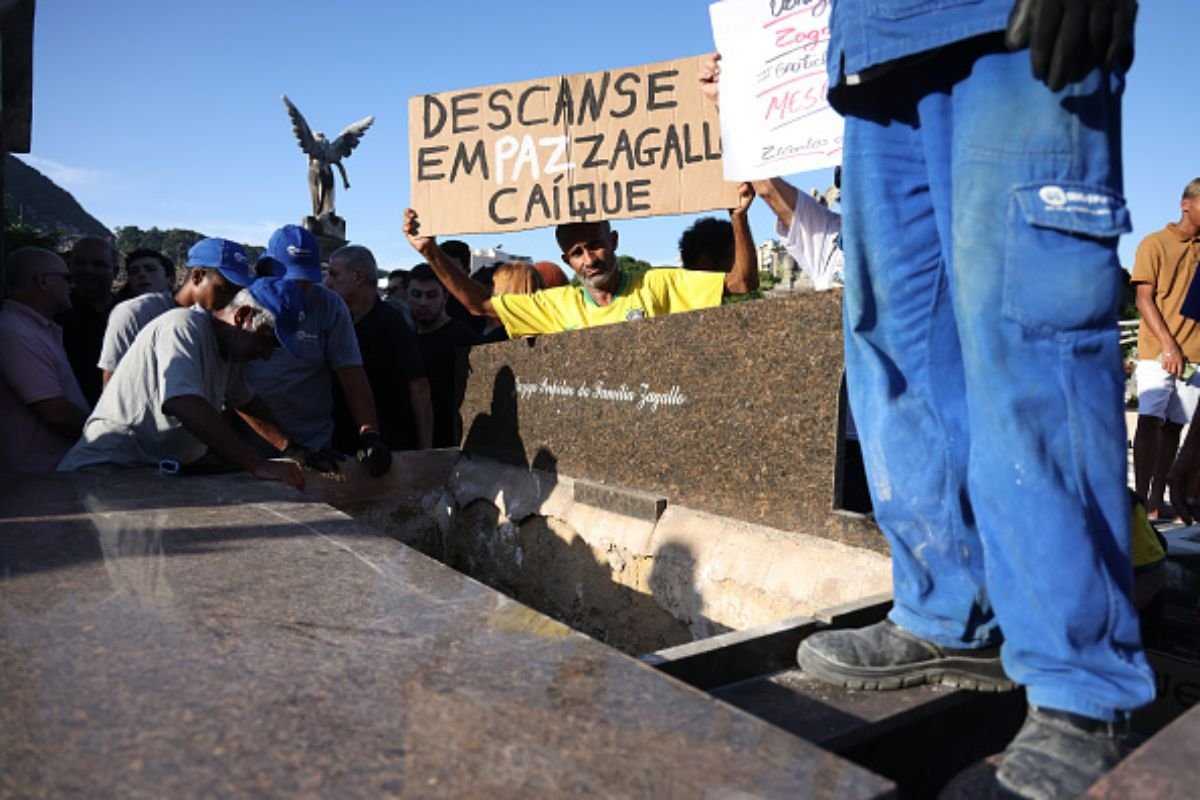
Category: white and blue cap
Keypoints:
(226, 257)
(295, 250)
(285, 300)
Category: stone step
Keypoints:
(921, 738)
(1166, 766)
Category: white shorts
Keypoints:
(1160, 395)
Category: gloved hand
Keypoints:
(374, 453)
(322, 459)
(1068, 38)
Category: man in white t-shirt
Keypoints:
(811, 232)
(219, 270)
(163, 404)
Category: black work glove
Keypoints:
(1069, 38)
(322, 459)
(374, 453)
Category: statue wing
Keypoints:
(348, 139)
(308, 142)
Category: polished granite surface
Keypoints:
(730, 410)
(182, 637)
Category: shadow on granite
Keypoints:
(224, 637)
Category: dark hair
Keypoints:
(563, 233)
(459, 251)
(144, 252)
(424, 272)
(707, 245)
(402, 274)
(484, 276)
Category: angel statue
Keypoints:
(322, 153)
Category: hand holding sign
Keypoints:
(709, 78)
(412, 232)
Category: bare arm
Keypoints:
(61, 416)
(422, 408)
(359, 397)
(258, 417)
(105, 377)
(203, 422)
(781, 196)
(1172, 357)
(473, 296)
(743, 277)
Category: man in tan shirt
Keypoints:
(1167, 343)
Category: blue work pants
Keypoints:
(982, 213)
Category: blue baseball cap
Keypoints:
(285, 300)
(297, 251)
(226, 257)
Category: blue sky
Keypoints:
(161, 113)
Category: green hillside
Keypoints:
(33, 200)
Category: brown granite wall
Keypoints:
(732, 410)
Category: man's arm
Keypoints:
(360, 400)
(202, 421)
(743, 277)
(473, 296)
(1172, 360)
(61, 416)
(421, 400)
(372, 449)
(259, 418)
(781, 196)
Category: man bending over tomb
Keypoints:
(298, 385)
(162, 406)
(219, 269)
(607, 295)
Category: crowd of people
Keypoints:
(153, 370)
(982, 201)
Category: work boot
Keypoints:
(1058, 754)
(885, 656)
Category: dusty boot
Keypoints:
(885, 656)
(1058, 754)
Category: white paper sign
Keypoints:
(774, 116)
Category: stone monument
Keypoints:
(323, 156)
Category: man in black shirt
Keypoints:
(440, 337)
(390, 357)
(93, 264)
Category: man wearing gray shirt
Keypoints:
(298, 387)
(219, 269)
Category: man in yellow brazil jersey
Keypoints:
(607, 295)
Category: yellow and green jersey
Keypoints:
(567, 308)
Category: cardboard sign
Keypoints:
(617, 144)
(775, 119)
